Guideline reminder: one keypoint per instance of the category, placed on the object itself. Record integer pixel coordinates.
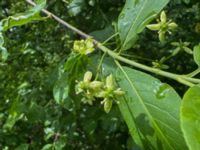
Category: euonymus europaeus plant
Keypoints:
(98, 74)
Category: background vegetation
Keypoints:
(31, 114)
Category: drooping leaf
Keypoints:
(196, 54)
(65, 86)
(61, 142)
(104, 34)
(109, 67)
(22, 147)
(35, 113)
(14, 114)
(75, 7)
(153, 108)
(135, 15)
(60, 90)
(47, 147)
(23, 18)
(3, 50)
(18, 20)
(190, 117)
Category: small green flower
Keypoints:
(88, 88)
(111, 87)
(84, 47)
(163, 17)
(107, 104)
(97, 89)
(119, 92)
(87, 76)
(163, 26)
(159, 65)
(109, 93)
(181, 46)
(109, 82)
(84, 85)
(88, 98)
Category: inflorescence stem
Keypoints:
(184, 79)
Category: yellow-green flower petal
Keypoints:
(109, 82)
(163, 17)
(107, 105)
(154, 27)
(172, 26)
(87, 76)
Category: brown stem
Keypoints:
(70, 27)
(180, 78)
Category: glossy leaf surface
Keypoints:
(3, 50)
(153, 107)
(196, 54)
(23, 18)
(190, 117)
(135, 15)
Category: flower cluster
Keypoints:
(181, 46)
(163, 26)
(84, 47)
(92, 90)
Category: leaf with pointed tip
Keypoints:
(196, 54)
(23, 146)
(153, 108)
(61, 89)
(190, 117)
(134, 17)
(4, 52)
(23, 18)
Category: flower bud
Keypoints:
(89, 46)
(79, 87)
(87, 76)
(119, 92)
(107, 105)
(163, 17)
(79, 46)
(176, 51)
(161, 36)
(175, 43)
(101, 94)
(95, 85)
(109, 82)
(88, 99)
(84, 47)
(172, 26)
(188, 50)
(153, 27)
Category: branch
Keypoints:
(70, 27)
(179, 78)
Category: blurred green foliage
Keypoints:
(30, 118)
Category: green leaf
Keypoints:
(61, 142)
(61, 88)
(35, 113)
(22, 147)
(23, 18)
(103, 34)
(186, 1)
(65, 86)
(196, 54)
(75, 7)
(151, 110)
(47, 147)
(190, 117)
(135, 15)
(4, 52)
(14, 114)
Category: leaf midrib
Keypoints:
(134, 23)
(143, 105)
